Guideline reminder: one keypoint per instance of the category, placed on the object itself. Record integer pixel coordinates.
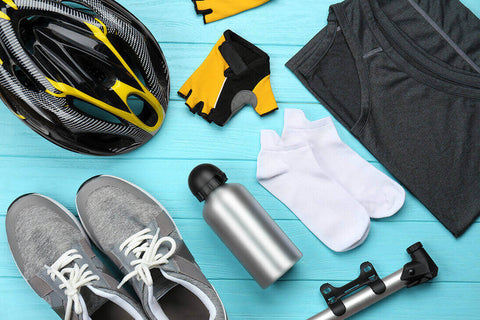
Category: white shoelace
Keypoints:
(72, 279)
(145, 247)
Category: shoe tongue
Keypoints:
(161, 285)
(92, 301)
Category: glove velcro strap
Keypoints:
(233, 59)
(241, 55)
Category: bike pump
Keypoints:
(368, 288)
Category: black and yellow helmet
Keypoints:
(85, 74)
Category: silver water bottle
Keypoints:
(243, 225)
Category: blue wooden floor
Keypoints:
(28, 163)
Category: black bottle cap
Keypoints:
(204, 179)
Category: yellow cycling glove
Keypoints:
(214, 10)
(234, 74)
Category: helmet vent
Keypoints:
(142, 110)
(23, 78)
(140, 77)
(95, 111)
(136, 104)
(80, 7)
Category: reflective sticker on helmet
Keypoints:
(11, 4)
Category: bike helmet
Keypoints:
(85, 74)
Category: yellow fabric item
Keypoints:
(203, 87)
(235, 73)
(265, 99)
(214, 10)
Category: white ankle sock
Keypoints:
(380, 195)
(291, 174)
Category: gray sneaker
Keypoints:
(137, 233)
(54, 256)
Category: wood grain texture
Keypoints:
(28, 163)
(286, 300)
(166, 179)
(320, 263)
(183, 136)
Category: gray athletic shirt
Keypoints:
(404, 77)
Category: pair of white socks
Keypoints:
(328, 186)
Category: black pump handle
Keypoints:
(368, 277)
(421, 269)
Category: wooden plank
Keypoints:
(184, 135)
(292, 300)
(385, 248)
(300, 300)
(277, 22)
(165, 179)
(30, 163)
